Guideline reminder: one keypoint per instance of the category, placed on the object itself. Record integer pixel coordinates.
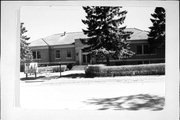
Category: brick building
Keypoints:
(67, 48)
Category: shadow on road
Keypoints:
(133, 102)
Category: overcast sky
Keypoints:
(42, 21)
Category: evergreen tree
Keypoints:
(25, 52)
(156, 37)
(106, 37)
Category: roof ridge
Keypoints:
(137, 29)
(45, 41)
(82, 31)
(74, 32)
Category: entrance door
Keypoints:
(86, 58)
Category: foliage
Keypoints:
(106, 35)
(127, 70)
(52, 69)
(25, 52)
(156, 36)
(69, 66)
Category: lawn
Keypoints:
(50, 91)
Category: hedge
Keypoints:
(52, 69)
(127, 70)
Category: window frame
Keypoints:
(37, 53)
(69, 51)
(148, 52)
(141, 49)
(56, 54)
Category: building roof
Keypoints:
(39, 42)
(69, 38)
(64, 38)
(137, 34)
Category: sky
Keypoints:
(43, 21)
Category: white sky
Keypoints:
(42, 21)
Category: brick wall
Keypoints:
(63, 55)
(44, 52)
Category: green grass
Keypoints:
(127, 70)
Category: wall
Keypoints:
(158, 57)
(63, 55)
(44, 55)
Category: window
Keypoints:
(139, 49)
(58, 55)
(140, 62)
(36, 55)
(143, 49)
(84, 58)
(146, 49)
(146, 62)
(69, 54)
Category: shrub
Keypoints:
(51, 69)
(127, 70)
(22, 68)
(69, 66)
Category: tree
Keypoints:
(106, 37)
(25, 52)
(156, 36)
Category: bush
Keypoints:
(51, 69)
(69, 66)
(22, 68)
(128, 70)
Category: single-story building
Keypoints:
(67, 48)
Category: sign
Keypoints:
(31, 67)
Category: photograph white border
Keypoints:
(10, 24)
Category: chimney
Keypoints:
(63, 34)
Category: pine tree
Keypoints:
(156, 37)
(106, 37)
(25, 52)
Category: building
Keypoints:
(67, 48)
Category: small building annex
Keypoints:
(67, 48)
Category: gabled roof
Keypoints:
(137, 34)
(69, 38)
(63, 39)
(39, 42)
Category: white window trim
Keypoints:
(67, 54)
(59, 53)
(36, 56)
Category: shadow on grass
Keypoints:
(133, 102)
(31, 78)
(77, 75)
(42, 78)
